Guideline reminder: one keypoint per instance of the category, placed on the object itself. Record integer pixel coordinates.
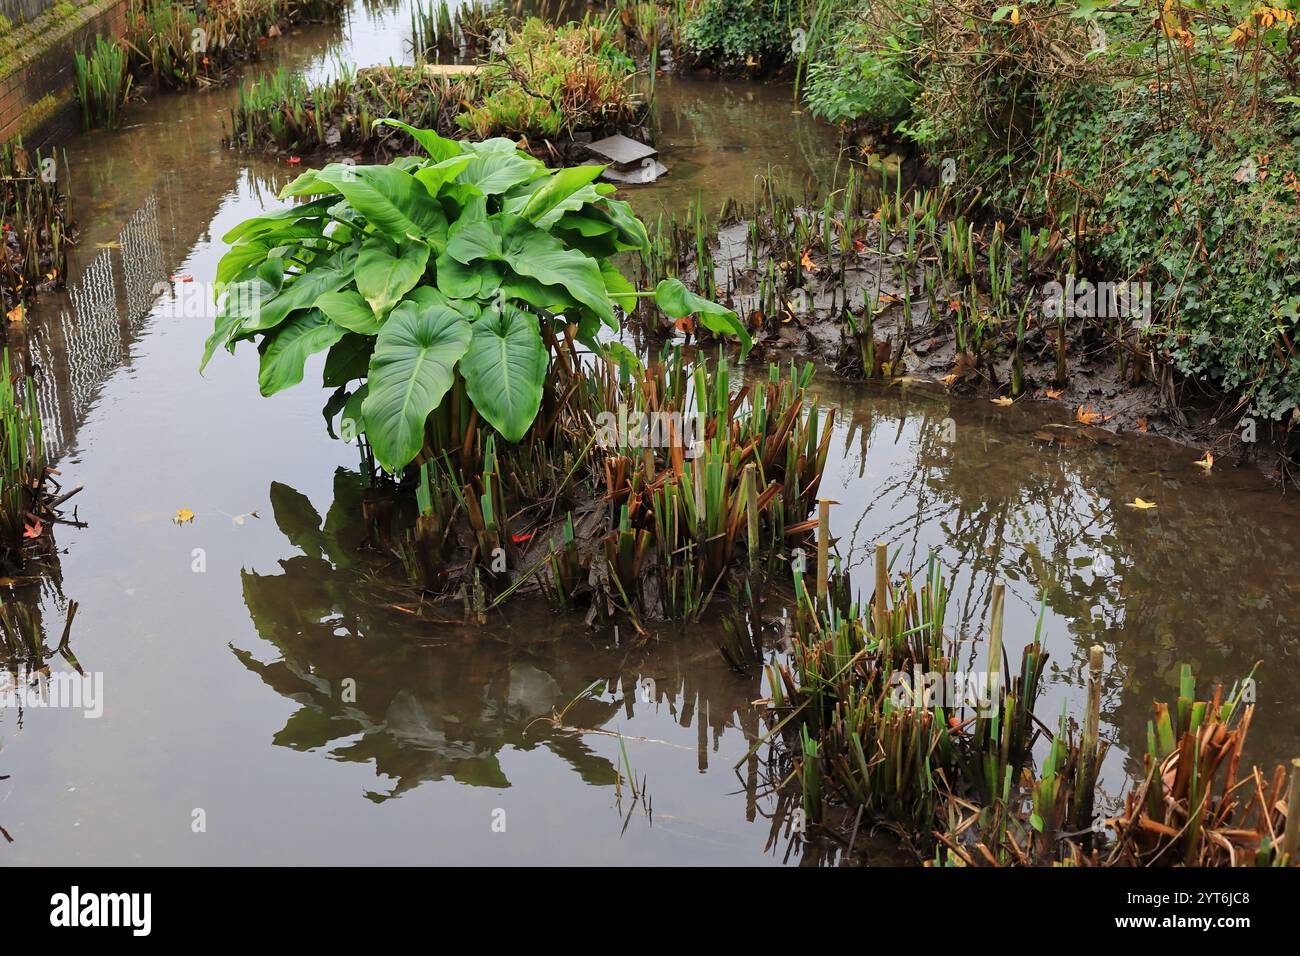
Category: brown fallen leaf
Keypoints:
(807, 263)
(1087, 416)
(1053, 393)
(1141, 424)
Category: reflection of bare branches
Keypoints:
(1050, 519)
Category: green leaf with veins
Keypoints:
(285, 353)
(504, 369)
(348, 309)
(410, 371)
(387, 271)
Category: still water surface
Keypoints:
(223, 642)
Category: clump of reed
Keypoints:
(686, 515)
(788, 261)
(442, 32)
(37, 224)
(653, 28)
(179, 45)
(23, 647)
(25, 480)
(1195, 805)
(102, 83)
(281, 110)
(542, 82)
(858, 727)
(640, 493)
(883, 270)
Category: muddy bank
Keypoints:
(904, 290)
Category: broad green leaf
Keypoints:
(333, 405)
(238, 259)
(348, 309)
(348, 359)
(456, 280)
(533, 252)
(677, 301)
(301, 239)
(410, 371)
(285, 352)
(496, 144)
(241, 300)
(540, 207)
(467, 208)
(300, 293)
(479, 240)
(433, 178)
(493, 173)
(586, 224)
(504, 369)
(386, 272)
(631, 230)
(590, 232)
(426, 295)
(618, 286)
(394, 202)
(352, 424)
(550, 298)
(308, 183)
(272, 221)
(438, 147)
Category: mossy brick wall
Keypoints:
(36, 60)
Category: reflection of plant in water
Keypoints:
(25, 654)
(704, 113)
(374, 685)
(1048, 518)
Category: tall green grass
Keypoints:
(102, 83)
(22, 463)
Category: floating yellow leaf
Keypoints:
(183, 515)
(1002, 401)
(15, 314)
(1207, 462)
(1141, 504)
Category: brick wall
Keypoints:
(44, 66)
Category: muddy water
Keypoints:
(225, 644)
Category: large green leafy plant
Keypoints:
(428, 269)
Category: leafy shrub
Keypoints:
(861, 77)
(428, 271)
(1211, 225)
(1176, 146)
(742, 33)
(549, 81)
